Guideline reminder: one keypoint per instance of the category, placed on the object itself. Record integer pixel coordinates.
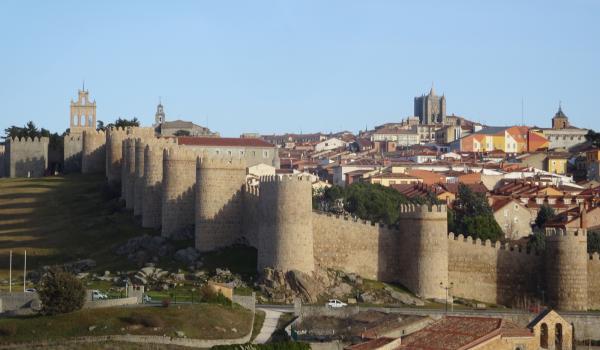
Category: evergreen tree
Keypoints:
(473, 216)
(61, 292)
(545, 214)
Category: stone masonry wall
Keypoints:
(218, 213)
(114, 154)
(93, 154)
(250, 213)
(491, 272)
(179, 180)
(73, 145)
(593, 278)
(129, 177)
(285, 227)
(153, 179)
(139, 182)
(368, 249)
(26, 156)
(2, 161)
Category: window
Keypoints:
(229, 153)
(265, 154)
(242, 153)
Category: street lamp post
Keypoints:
(447, 288)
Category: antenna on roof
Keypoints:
(83, 88)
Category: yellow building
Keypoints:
(388, 179)
(557, 163)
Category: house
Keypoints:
(420, 190)
(514, 218)
(388, 179)
(507, 139)
(329, 144)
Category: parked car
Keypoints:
(146, 298)
(334, 303)
(98, 295)
(30, 290)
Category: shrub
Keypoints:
(8, 330)
(146, 320)
(208, 295)
(60, 292)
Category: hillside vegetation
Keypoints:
(61, 219)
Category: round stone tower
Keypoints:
(153, 178)
(138, 193)
(93, 156)
(179, 179)
(219, 184)
(129, 172)
(114, 154)
(285, 239)
(566, 268)
(426, 230)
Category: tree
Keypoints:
(593, 138)
(537, 241)
(593, 242)
(124, 123)
(473, 216)
(61, 292)
(100, 125)
(545, 214)
(181, 133)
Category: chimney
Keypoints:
(582, 215)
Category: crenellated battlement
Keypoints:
(595, 257)
(284, 178)
(93, 132)
(73, 137)
(358, 221)
(252, 190)
(494, 245)
(205, 161)
(141, 131)
(18, 140)
(561, 232)
(423, 212)
(179, 153)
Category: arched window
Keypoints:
(558, 337)
(544, 336)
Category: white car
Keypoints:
(98, 295)
(334, 303)
(30, 290)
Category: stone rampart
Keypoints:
(218, 213)
(179, 180)
(593, 277)
(493, 272)
(153, 182)
(93, 154)
(114, 154)
(250, 215)
(567, 268)
(2, 161)
(129, 176)
(363, 247)
(73, 146)
(427, 228)
(26, 156)
(139, 182)
(285, 226)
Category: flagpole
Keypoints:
(25, 271)
(10, 272)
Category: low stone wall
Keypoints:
(246, 301)
(110, 302)
(15, 301)
(140, 339)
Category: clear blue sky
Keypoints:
(277, 66)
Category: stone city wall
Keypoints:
(179, 181)
(153, 182)
(129, 179)
(96, 304)
(363, 247)
(93, 153)
(492, 272)
(73, 146)
(2, 161)
(114, 154)
(218, 213)
(593, 277)
(250, 215)
(285, 223)
(26, 156)
(139, 182)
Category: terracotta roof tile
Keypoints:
(223, 142)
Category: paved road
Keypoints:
(272, 314)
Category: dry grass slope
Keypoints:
(61, 219)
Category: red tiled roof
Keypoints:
(223, 141)
(371, 344)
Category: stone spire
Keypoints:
(159, 117)
(432, 91)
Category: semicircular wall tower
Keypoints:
(285, 239)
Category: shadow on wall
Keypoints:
(32, 167)
(224, 229)
(519, 277)
(96, 161)
(178, 213)
(73, 163)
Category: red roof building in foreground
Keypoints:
(223, 142)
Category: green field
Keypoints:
(200, 321)
(62, 219)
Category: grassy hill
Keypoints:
(61, 219)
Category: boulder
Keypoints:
(187, 256)
(305, 286)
